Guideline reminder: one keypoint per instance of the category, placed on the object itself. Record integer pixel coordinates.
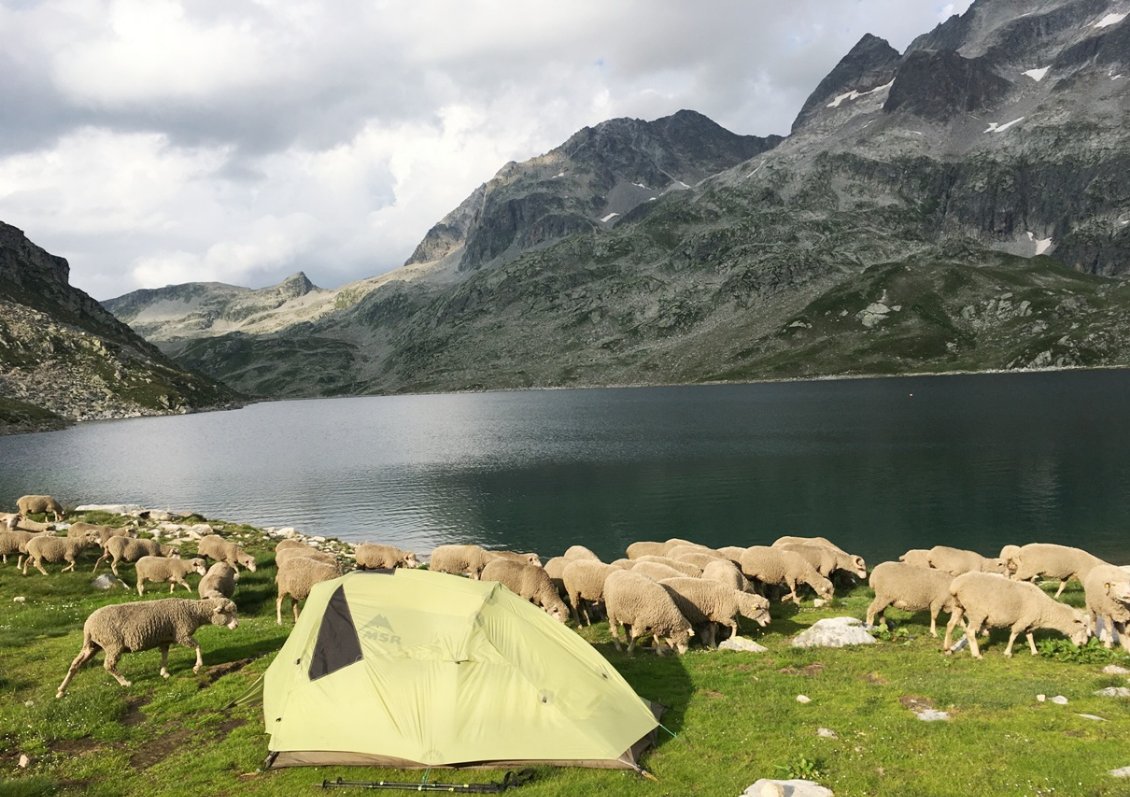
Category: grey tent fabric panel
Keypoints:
(338, 645)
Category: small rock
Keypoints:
(833, 632)
(1124, 772)
(931, 715)
(24, 761)
(106, 581)
(1113, 691)
(826, 733)
(19, 599)
(803, 699)
(1114, 669)
(1041, 698)
(741, 644)
(1059, 700)
(29, 703)
(1091, 717)
(318, 538)
(787, 788)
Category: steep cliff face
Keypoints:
(64, 358)
(959, 206)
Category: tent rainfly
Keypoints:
(410, 669)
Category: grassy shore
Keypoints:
(732, 717)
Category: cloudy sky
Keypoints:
(153, 142)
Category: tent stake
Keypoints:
(509, 781)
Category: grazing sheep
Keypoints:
(656, 571)
(554, 567)
(513, 556)
(677, 551)
(216, 547)
(917, 557)
(684, 568)
(644, 605)
(1052, 561)
(777, 566)
(1108, 598)
(709, 604)
(27, 524)
(162, 568)
(128, 549)
(15, 542)
(37, 504)
(1007, 555)
(99, 534)
(459, 560)
(291, 543)
(144, 625)
(732, 552)
(219, 581)
(530, 582)
(726, 572)
(646, 548)
(54, 549)
(303, 552)
(623, 564)
(584, 585)
(827, 560)
(371, 556)
(580, 552)
(956, 561)
(700, 559)
(911, 588)
(993, 600)
(848, 563)
(296, 577)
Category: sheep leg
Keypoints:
(111, 665)
(69, 568)
(971, 637)
(39, 566)
(878, 606)
(614, 628)
(165, 661)
(1123, 639)
(1012, 634)
(98, 561)
(278, 609)
(114, 567)
(294, 607)
(631, 641)
(191, 642)
(1062, 585)
(88, 650)
(1032, 644)
(140, 586)
(955, 618)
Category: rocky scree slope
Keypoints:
(64, 358)
(959, 206)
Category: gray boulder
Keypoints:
(834, 632)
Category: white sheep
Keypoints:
(373, 556)
(656, 571)
(684, 568)
(217, 548)
(161, 568)
(128, 549)
(296, 577)
(777, 567)
(514, 556)
(303, 552)
(1108, 599)
(677, 551)
(529, 582)
(54, 549)
(699, 559)
(1042, 559)
(98, 533)
(144, 625)
(993, 600)
(827, 560)
(849, 563)
(956, 561)
(584, 584)
(15, 542)
(646, 548)
(726, 572)
(911, 588)
(709, 604)
(580, 552)
(917, 557)
(219, 582)
(644, 605)
(459, 560)
(36, 504)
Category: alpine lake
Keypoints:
(877, 465)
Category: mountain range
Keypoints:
(959, 206)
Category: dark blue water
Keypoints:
(877, 465)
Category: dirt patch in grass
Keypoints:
(213, 674)
(161, 747)
(916, 702)
(876, 679)
(227, 726)
(134, 715)
(810, 670)
(72, 747)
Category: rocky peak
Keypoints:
(940, 84)
(295, 285)
(870, 63)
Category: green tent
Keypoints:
(408, 668)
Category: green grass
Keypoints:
(732, 717)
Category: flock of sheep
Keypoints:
(668, 591)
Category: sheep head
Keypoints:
(223, 612)
(410, 559)
(198, 566)
(1117, 590)
(1080, 630)
(860, 567)
(247, 560)
(754, 607)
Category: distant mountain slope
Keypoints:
(959, 206)
(65, 358)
